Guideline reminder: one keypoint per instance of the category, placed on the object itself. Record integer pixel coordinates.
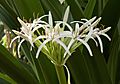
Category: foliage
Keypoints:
(84, 69)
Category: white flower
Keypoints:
(96, 33)
(52, 33)
(26, 32)
(85, 32)
(78, 34)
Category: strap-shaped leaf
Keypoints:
(76, 10)
(113, 62)
(8, 18)
(42, 67)
(14, 68)
(26, 8)
(89, 8)
(7, 78)
(54, 6)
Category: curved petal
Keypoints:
(68, 73)
(76, 22)
(106, 36)
(63, 45)
(86, 45)
(42, 17)
(20, 34)
(66, 24)
(42, 22)
(13, 40)
(94, 41)
(18, 49)
(39, 37)
(100, 42)
(69, 46)
(40, 47)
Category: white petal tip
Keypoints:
(91, 54)
(37, 57)
(108, 28)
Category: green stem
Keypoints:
(61, 74)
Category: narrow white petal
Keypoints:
(77, 28)
(66, 24)
(21, 35)
(69, 27)
(42, 17)
(77, 22)
(66, 34)
(36, 28)
(100, 42)
(89, 34)
(94, 41)
(41, 22)
(61, 1)
(40, 47)
(85, 19)
(39, 37)
(96, 22)
(68, 73)
(69, 46)
(106, 36)
(16, 32)
(63, 45)
(50, 20)
(66, 14)
(18, 49)
(86, 45)
(91, 20)
(14, 40)
(96, 30)
(22, 23)
(105, 30)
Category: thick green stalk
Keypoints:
(61, 74)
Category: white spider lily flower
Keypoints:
(87, 31)
(53, 33)
(26, 33)
(76, 35)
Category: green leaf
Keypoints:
(12, 67)
(54, 6)
(110, 17)
(48, 69)
(110, 14)
(89, 8)
(2, 81)
(8, 18)
(76, 10)
(78, 69)
(43, 68)
(7, 78)
(89, 70)
(114, 58)
(26, 8)
(33, 63)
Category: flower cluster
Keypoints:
(59, 39)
